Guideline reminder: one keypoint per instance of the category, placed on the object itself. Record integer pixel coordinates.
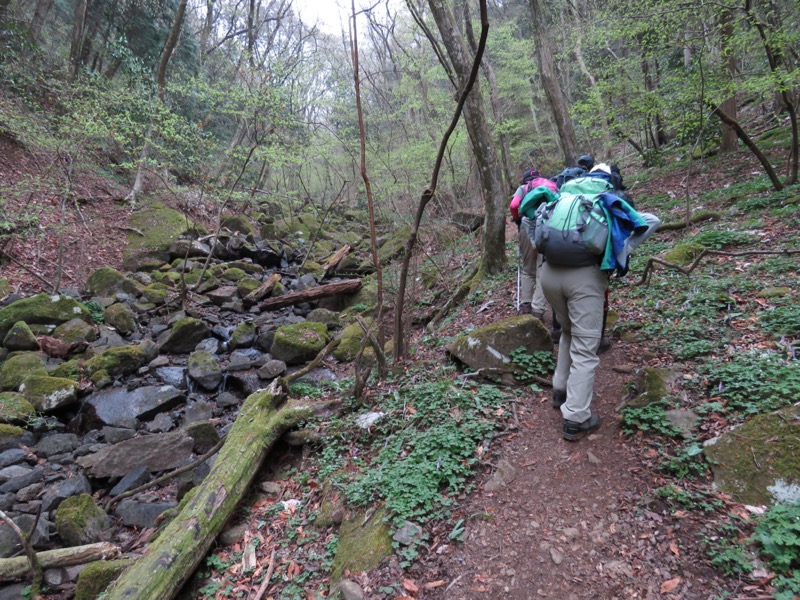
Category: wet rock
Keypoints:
(57, 443)
(118, 407)
(20, 338)
(174, 376)
(183, 336)
(141, 514)
(239, 361)
(158, 452)
(226, 400)
(204, 369)
(197, 412)
(272, 369)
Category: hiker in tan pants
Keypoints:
(577, 295)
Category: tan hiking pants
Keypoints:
(576, 295)
(531, 263)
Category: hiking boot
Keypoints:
(573, 431)
(559, 397)
(605, 344)
(525, 308)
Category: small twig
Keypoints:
(36, 567)
(455, 581)
(28, 269)
(755, 460)
(133, 229)
(317, 359)
(265, 584)
(168, 476)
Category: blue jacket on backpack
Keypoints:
(627, 230)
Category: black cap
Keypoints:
(586, 161)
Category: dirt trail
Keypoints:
(571, 524)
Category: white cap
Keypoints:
(602, 167)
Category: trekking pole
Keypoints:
(519, 276)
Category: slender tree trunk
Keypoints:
(728, 138)
(161, 79)
(493, 256)
(555, 95)
(39, 15)
(78, 21)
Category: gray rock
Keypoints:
(367, 420)
(183, 336)
(350, 590)
(57, 443)
(13, 591)
(141, 514)
(16, 483)
(12, 456)
(408, 533)
(9, 542)
(30, 493)
(265, 338)
(117, 406)
(197, 412)
(205, 370)
(272, 369)
(684, 420)
(107, 338)
(161, 424)
(223, 295)
(226, 399)
(157, 452)
(504, 474)
(66, 488)
(174, 376)
(210, 345)
(239, 361)
(132, 480)
(115, 435)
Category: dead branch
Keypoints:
(132, 229)
(14, 568)
(330, 347)
(31, 562)
(348, 286)
(706, 252)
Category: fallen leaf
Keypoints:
(669, 586)
(431, 585)
(410, 586)
(673, 547)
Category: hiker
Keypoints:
(575, 286)
(584, 166)
(530, 298)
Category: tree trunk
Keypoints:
(172, 558)
(169, 48)
(493, 255)
(39, 15)
(728, 138)
(555, 95)
(78, 21)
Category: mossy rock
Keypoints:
(75, 330)
(238, 223)
(161, 227)
(11, 436)
(393, 247)
(97, 576)
(774, 292)
(311, 267)
(490, 347)
(5, 287)
(767, 465)
(684, 254)
(351, 338)
(42, 309)
(117, 362)
(299, 342)
(323, 315)
(205, 436)
(183, 336)
(20, 338)
(243, 335)
(652, 386)
(247, 267)
(70, 369)
(120, 317)
(362, 545)
(106, 282)
(247, 285)
(49, 393)
(233, 275)
(18, 368)
(156, 293)
(79, 520)
(14, 408)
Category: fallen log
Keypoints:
(14, 568)
(334, 261)
(173, 557)
(348, 286)
(263, 290)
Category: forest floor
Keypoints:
(573, 521)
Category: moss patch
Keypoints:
(161, 227)
(362, 546)
(762, 453)
(122, 360)
(350, 341)
(684, 254)
(42, 309)
(14, 408)
(97, 576)
(79, 520)
(49, 393)
(18, 368)
(107, 282)
(299, 342)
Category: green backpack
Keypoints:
(572, 231)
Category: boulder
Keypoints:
(18, 368)
(47, 393)
(351, 338)
(107, 282)
(43, 309)
(363, 543)
(20, 338)
(157, 452)
(491, 346)
(161, 227)
(299, 342)
(117, 362)
(14, 408)
(79, 520)
(75, 331)
(183, 336)
(766, 468)
(205, 370)
(120, 317)
(118, 407)
(243, 335)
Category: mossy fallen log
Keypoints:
(172, 558)
(14, 568)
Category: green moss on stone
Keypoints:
(233, 275)
(119, 361)
(238, 223)
(75, 330)
(10, 431)
(97, 576)
(774, 292)
(14, 408)
(18, 368)
(362, 545)
(120, 317)
(684, 254)
(79, 520)
(299, 342)
(161, 227)
(43, 309)
(70, 369)
(351, 337)
(651, 386)
(48, 393)
(762, 453)
(107, 282)
(246, 286)
(243, 335)
(20, 337)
